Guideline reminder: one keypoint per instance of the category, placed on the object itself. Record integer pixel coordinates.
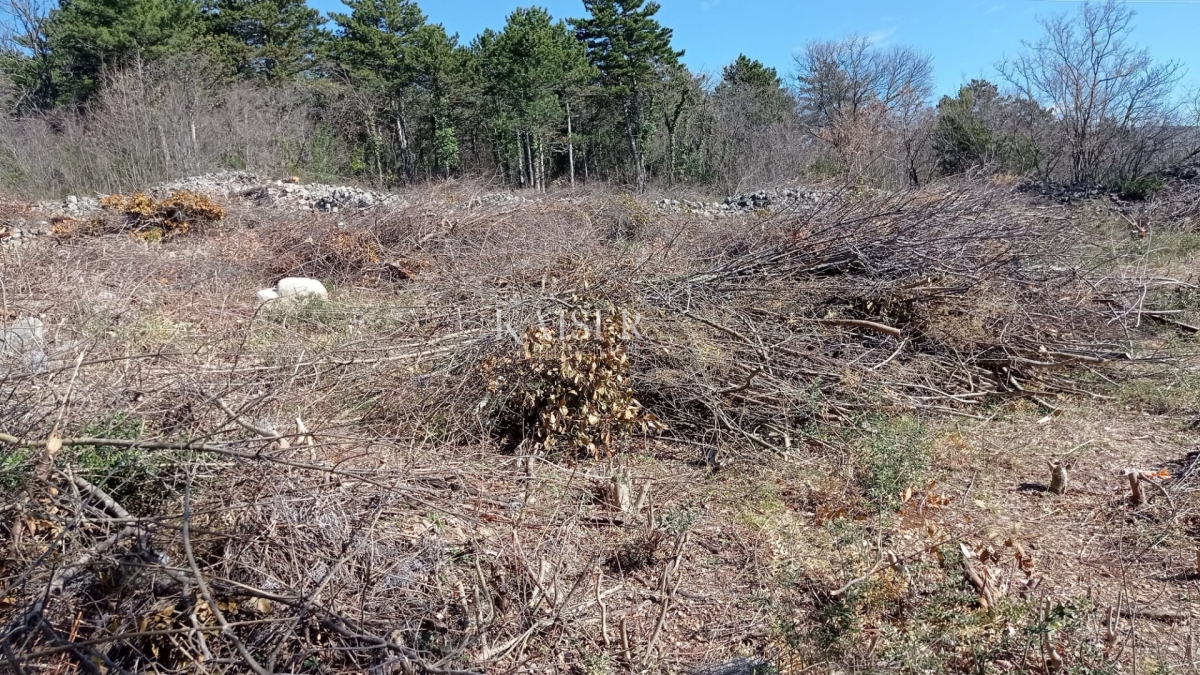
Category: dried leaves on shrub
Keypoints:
(155, 220)
(568, 387)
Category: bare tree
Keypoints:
(859, 97)
(24, 52)
(1112, 101)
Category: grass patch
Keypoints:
(139, 480)
(1178, 392)
(16, 466)
(305, 310)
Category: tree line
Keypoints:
(97, 92)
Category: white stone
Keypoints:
(23, 334)
(297, 286)
(264, 296)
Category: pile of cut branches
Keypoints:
(156, 220)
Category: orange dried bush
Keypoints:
(155, 220)
(65, 227)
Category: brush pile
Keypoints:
(938, 300)
(156, 220)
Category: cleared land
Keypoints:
(587, 435)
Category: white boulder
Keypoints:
(297, 286)
(264, 296)
(291, 287)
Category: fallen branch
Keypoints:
(866, 325)
(1185, 327)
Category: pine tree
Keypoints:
(757, 89)
(90, 37)
(750, 73)
(387, 47)
(631, 50)
(26, 59)
(962, 138)
(376, 41)
(532, 70)
(269, 39)
(439, 67)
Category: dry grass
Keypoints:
(334, 471)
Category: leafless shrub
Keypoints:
(154, 123)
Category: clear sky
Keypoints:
(965, 37)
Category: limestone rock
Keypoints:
(291, 288)
(23, 334)
(297, 286)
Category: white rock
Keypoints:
(23, 334)
(296, 286)
(264, 296)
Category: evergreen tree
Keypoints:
(532, 70)
(387, 47)
(377, 39)
(750, 73)
(631, 51)
(962, 139)
(269, 39)
(26, 59)
(982, 128)
(440, 67)
(756, 90)
(89, 37)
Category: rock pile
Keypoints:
(249, 188)
(287, 194)
(17, 231)
(742, 204)
(495, 199)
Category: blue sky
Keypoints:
(965, 37)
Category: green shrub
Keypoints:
(138, 479)
(16, 465)
(895, 458)
(1139, 189)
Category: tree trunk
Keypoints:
(529, 160)
(521, 158)
(402, 138)
(570, 146)
(633, 148)
(541, 165)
